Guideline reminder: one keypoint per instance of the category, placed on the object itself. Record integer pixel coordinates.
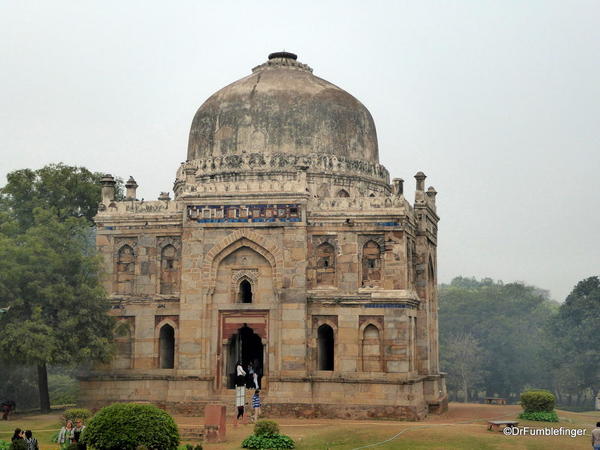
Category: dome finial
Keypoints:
(283, 54)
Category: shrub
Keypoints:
(266, 428)
(276, 441)
(266, 436)
(125, 426)
(19, 444)
(537, 400)
(4, 445)
(77, 413)
(540, 416)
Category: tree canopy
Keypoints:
(575, 340)
(49, 273)
(506, 322)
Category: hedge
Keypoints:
(537, 400)
(125, 426)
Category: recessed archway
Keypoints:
(245, 347)
(166, 350)
(325, 348)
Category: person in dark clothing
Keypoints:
(17, 435)
(32, 443)
(79, 427)
(6, 407)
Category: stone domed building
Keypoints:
(285, 246)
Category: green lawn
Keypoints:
(463, 428)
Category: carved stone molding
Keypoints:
(163, 241)
(255, 162)
(119, 242)
(250, 274)
(379, 239)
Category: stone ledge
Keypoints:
(96, 376)
(348, 380)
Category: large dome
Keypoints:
(283, 108)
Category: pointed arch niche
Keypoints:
(244, 282)
(123, 337)
(325, 264)
(166, 337)
(125, 268)
(371, 264)
(324, 352)
(227, 254)
(169, 252)
(244, 276)
(371, 346)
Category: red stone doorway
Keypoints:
(244, 339)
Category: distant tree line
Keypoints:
(499, 339)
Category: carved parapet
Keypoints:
(359, 203)
(141, 207)
(265, 163)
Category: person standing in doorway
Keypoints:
(240, 374)
(252, 371)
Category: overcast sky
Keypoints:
(498, 102)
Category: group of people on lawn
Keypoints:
(29, 442)
(68, 435)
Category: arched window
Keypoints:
(245, 292)
(169, 270)
(325, 264)
(125, 270)
(343, 193)
(325, 344)
(166, 350)
(371, 264)
(371, 349)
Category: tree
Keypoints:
(49, 274)
(69, 191)
(508, 322)
(463, 359)
(575, 341)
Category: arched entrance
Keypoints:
(245, 346)
(326, 344)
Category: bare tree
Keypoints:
(464, 362)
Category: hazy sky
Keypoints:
(498, 102)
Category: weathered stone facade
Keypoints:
(285, 246)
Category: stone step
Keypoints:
(191, 432)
